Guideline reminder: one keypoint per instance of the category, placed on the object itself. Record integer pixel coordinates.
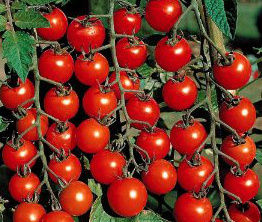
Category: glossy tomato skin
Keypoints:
(126, 22)
(127, 197)
(245, 186)
(14, 159)
(13, 97)
(191, 178)
(160, 178)
(235, 75)
(82, 37)
(188, 208)
(161, 15)
(107, 166)
(57, 216)
(172, 58)
(240, 117)
(130, 56)
(28, 212)
(97, 134)
(58, 25)
(180, 95)
(76, 199)
(90, 72)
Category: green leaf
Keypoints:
(2, 23)
(259, 203)
(18, 5)
(95, 187)
(2, 8)
(202, 95)
(259, 156)
(145, 70)
(170, 118)
(214, 198)
(3, 124)
(85, 162)
(250, 90)
(231, 13)
(18, 50)
(38, 2)
(76, 219)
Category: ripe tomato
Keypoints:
(188, 208)
(21, 188)
(57, 216)
(156, 143)
(127, 22)
(163, 14)
(240, 117)
(107, 166)
(131, 54)
(127, 197)
(97, 134)
(245, 186)
(28, 212)
(128, 81)
(184, 94)
(186, 140)
(218, 220)
(99, 104)
(62, 107)
(76, 199)
(30, 118)
(160, 178)
(13, 97)
(58, 25)
(89, 32)
(233, 76)
(16, 158)
(91, 71)
(172, 57)
(146, 110)
(191, 177)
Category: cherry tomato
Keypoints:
(76, 199)
(58, 25)
(13, 97)
(127, 197)
(240, 117)
(233, 76)
(163, 14)
(91, 71)
(107, 166)
(188, 208)
(184, 93)
(57, 216)
(245, 186)
(131, 54)
(89, 32)
(172, 57)
(97, 134)
(218, 220)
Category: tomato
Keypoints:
(127, 22)
(63, 137)
(30, 118)
(163, 14)
(98, 136)
(186, 140)
(89, 32)
(156, 143)
(127, 197)
(218, 220)
(188, 208)
(160, 178)
(57, 216)
(58, 25)
(172, 57)
(240, 117)
(129, 82)
(107, 166)
(16, 158)
(13, 97)
(233, 76)
(91, 71)
(191, 177)
(76, 199)
(131, 54)
(184, 93)
(97, 103)
(143, 109)
(28, 212)
(21, 188)
(62, 107)
(245, 186)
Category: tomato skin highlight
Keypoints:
(57, 216)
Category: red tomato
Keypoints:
(97, 134)
(127, 197)
(90, 32)
(57, 216)
(218, 220)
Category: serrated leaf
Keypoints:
(85, 162)
(259, 156)
(231, 13)
(95, 187)
(202, 95)
(145, 70)
(38, 2)
(259, 203)
(18, 5)
(2, 23)
(2, 8)
(3, 124)
(170, 118)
